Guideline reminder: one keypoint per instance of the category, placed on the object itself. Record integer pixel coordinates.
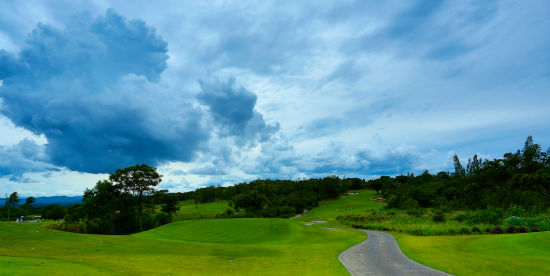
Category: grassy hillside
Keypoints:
(194, 247)
(354, 202)
(189, 210)
(515, 254)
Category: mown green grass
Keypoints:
(347, 204)
(189, 210)
(237, 231)
(194, 247)
(509, 254)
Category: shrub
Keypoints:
(81, 227)
(162, 218)
(445, 208)
(522, 230)
(461, 217)
(498, 230)
(410, 203)
(511, 229)
(515, 210)
(476, 230)
(417, 212)
(515, 221)
(532, 222)
(534, 229)
(464, 230)
(488, 230)
(438, 216)
(489, 216)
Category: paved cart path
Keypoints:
(380, 255)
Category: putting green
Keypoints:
(237, 231)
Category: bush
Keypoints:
(438, 216)
(476, 230)
(461, 217)
(511, 229)
(534, 229)
(515, 210)
(515, 221)
(445, 208)
(417, 212)
(489, 216)
(410, 203)
(162, 218)
(522, 230)
(532, 222)
(498, 230)
(464, 230)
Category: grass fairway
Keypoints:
(350, 203)
(512, 254)
(515, 254)
(189, 210)
(192, 247)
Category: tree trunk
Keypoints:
(9, 211)
(140, 215)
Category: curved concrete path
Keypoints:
(380, 255)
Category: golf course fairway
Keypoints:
(509, 254)
(194, 247)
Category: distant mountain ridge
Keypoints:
(47, 200)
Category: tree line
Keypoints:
(520, 178)
(127, 202)
(275, 198)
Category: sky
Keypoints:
(221, 92)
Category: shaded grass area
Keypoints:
(195, 247)
(189, 210)
(509, 254)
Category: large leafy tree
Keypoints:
(139, 181)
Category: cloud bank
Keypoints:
(92, 89)
(228, 91)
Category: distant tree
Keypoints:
(28, 204)
(54, 212)
(375, 184)
(73, 213)
(170, 203)
(531, 156)
(459, 170)
(252, 201)
(30, 201)
(138, 180)
(11, 201)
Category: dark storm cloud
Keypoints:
(90, 89)
(24, 157)
(232, 107)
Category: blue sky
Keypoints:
(218, 92)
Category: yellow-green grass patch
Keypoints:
(509, 254)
